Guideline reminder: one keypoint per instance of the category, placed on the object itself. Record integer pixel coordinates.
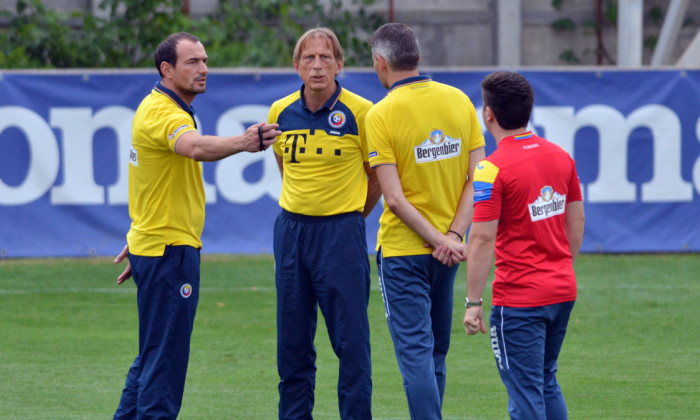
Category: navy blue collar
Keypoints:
(329, 104)
(409, 81)
(173, 96)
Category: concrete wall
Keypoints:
(464, 33)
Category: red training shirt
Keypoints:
(526, 184)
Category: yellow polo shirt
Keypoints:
(323, 154)
(166, 192)
(426, 129)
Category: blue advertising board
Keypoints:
(65, 138)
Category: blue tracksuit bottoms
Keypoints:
(167, 297)
(526, 344)
(418, 293)
(322, 262)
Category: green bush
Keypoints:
(254, 33)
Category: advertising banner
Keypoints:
(65, 139)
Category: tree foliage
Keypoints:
(264, 32)
(255, 33)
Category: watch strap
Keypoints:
(469, 303)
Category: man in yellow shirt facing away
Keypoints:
(424, 142)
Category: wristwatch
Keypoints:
(468, 303)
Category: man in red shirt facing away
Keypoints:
(528, 211)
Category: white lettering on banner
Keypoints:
(77, 126)
(119, 192)
(43, 156)
(612, 186)
(229, 172)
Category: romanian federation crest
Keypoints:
(336, 119)
(186, 290)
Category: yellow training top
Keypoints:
(323, 153)
(427, 130)
(166, 193)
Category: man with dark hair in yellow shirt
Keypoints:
(166, 205)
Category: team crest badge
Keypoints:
(336, 119)
(186, 290)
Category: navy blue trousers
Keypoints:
(322, 262)
(418, 294)
(167, 297)
(526, 344)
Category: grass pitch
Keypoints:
(69, 334)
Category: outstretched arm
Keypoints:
(209, 148)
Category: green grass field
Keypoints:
(69, 334)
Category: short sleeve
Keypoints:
(488, 192)
(362, 130)
(574, 193)
(476, 138)
(378, 140)
(176, 125)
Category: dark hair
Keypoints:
(510, 97)
(397, 43)
(167, 50)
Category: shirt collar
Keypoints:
(410, 81)
(522, 136)
(173, 97)
(329, 104)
